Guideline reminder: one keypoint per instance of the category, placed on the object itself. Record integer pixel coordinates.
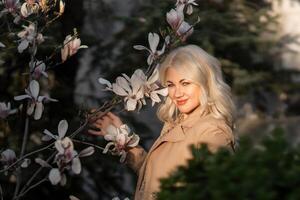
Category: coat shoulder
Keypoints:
(210, 127)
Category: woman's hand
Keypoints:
(103, 122)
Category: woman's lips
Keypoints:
(181, 102)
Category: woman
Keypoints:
(199, 109)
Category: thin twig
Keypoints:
(31, 187)
(33, 177)
(26, 129)
(25, 156)
(88, 143)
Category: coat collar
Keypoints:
(175, 132)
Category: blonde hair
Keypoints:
(205, 71)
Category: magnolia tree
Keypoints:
(133, 92)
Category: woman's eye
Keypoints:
(170, 85)
(185, 83)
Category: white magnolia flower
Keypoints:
(152, 90)
(186, 3)
(61, 132)
(137, 87)
(120, 138)
(129, 88)
(66, 156)
(8, 157)
(70, 47)
(6, 110)
(29, 7)
(153, 39)
(184, 31)
(175, 18)
(36, 102)
(28, 35)
(39, 70)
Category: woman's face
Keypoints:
(184, 93)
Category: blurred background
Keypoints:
(257, 42)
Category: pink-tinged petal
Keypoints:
(46, 99)
(122, 82)
(24, 10)
(118, 90)
(21, 97)
(76, 43)
(42, 162)
(154, 97)
(50, 134)
(140, 47)
(140, 74)
(87, 152)
(64, 53)
(38, 110)
(40, 38)
(106, 149)
(131, 104)
(23, 45)
(175, 17)
(34, 88)
(125, 129)
(153, 39)
(76, 165)
(154, 77)
(46, 138)
(25, 163)
(167, 39)
(185, 30)
(162, 92)
(104, 82)
(67, 144)
(189, 10)
(126, 77)
(44, 74)
(63, 180)
(8, 156)
(121, 139)
(30, 108)
(62, 128)
(139, 94)
(83, 47)
(150, 59)
(134, 141)
(137, 80)
(54, 176)
(59, 147)
(160, 52)
(123, 156)
(109, 137)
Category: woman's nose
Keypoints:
(178, 92)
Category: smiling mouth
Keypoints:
(181, 102)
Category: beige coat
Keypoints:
(171, 150)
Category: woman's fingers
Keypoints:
(93, 132)
(116, 121)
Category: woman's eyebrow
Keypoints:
(182, 80)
